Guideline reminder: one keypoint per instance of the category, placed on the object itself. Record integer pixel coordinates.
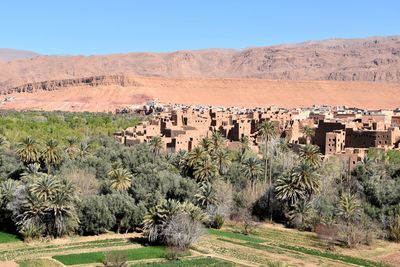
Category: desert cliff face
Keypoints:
(104, 80)
(372, 59)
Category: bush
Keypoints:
(174, 253)
(94, 216)
(327, 234)
(31, 231)
(116, 258)
(217, 222)
(394, 229)
(350, 234)
(127, 214)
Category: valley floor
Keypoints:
(268, 245)
(216, 92)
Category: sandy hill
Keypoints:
(373, 59)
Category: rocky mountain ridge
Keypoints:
(375, 59)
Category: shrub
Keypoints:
(350, 234)
(328, 234)
(173, 253)
(94, 216)
(394, 229)
(217, 222)
(31, 231)
(116, 258)
(127, 214)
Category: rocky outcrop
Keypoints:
(120, 80)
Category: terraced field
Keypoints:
(267, 246)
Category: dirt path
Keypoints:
(8, 264)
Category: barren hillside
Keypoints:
(372, 59)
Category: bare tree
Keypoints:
(182, 232)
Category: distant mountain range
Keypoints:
(375, 59)
(7, 54)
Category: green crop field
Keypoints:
(196, 262)
(98, 257)
(8, 238)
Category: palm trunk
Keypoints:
(270, 177)
(269, 191)
(266, 159)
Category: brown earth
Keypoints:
(375, 59)
(220, 92)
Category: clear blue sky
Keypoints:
(100, 27)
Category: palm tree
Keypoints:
(205, 169)
(156, 145)
(244, 148)
(72, 150)
(206, 144)
(311, 154)
(307, 178)
(194, 212)
(206, 195)
(30, 220)
(28, 150)
(308, 132)
(283, 145)
(52, 155)
(31, 172)
(267, 131)
(7, 190)
(284, 148)
(349, 207)
(252, 169)
(157, 218)
(121, 179)
(83, 149)
(300, 213)
(287, 188)
(3, 142)
(221, 156)
(45, 187)
(195, 156)
(63, 218)
(179, 160)
(152, 223)
(217, 142)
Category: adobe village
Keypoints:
(345, 133)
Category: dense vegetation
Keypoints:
(60, 175)
(15, 125)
